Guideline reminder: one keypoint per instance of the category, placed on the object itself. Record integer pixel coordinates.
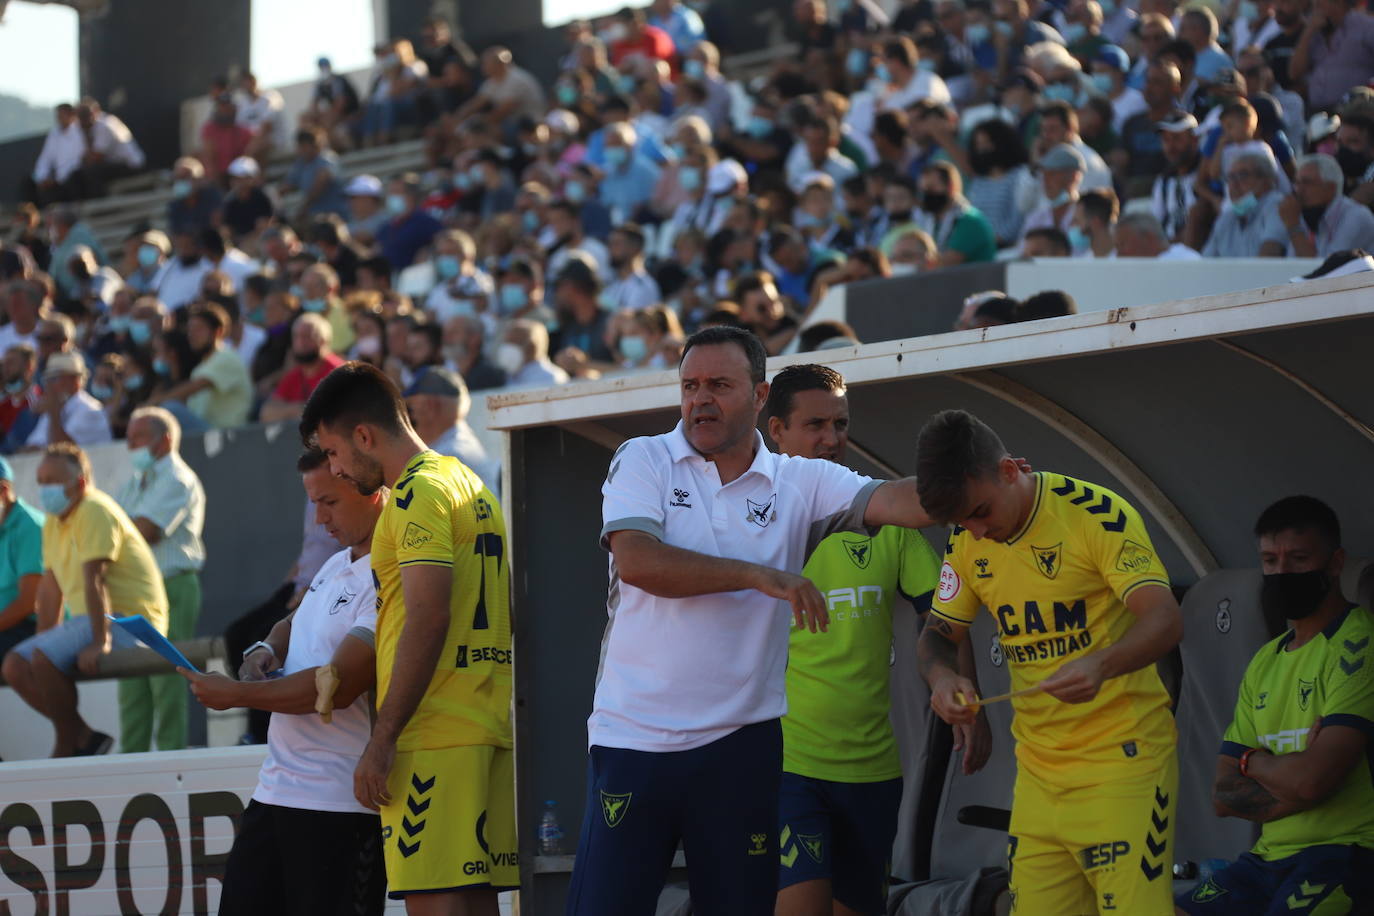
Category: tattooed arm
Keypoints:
(937, 654)
(1235, 795)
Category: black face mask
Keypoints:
(1294, 596)
(1352, 163)
(934, 201)
(983, 162)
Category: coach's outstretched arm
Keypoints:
(897, 503)
(1157, 629)
(645, 562)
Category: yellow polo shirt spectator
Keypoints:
(99, 530)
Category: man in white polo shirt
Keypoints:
(708, 532)
(305, 845)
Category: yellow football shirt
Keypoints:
(440, 514)
(99, 530)
(1058, 590)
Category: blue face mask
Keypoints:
(314, 305)
(575, 191)
(118, 324)
(396, 204)
(142, 459)
(477, 175)
(148, 256)
(462, 182)
(1060, 199)
(883, 72)
(53, 498)
(140, 333)
(567, 95)
(1103, 82)
(856, 62)
(978, 34)
(679, 151)
(1075, 32)
(616, 156)
(1248, 11)
(530, 220)
(694, 69)
(1004, 28)
(1246, 205)
(1078, 239)
(634, 349)
(1060, 92)
(689, 177)
(101, 392)
(925, 65)
(181, 188)
(758, 126)
(161, 368)
(448, 266)
(513, 297)
(133, 382)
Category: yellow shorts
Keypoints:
(1104, 849)
(451, 823)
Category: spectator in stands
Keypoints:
(1052, 303)
(247, 208)
(1110, 66)
(632, 287)
(195, 203)
(492, 185)
(408, 228)
(508, 93)
(111, 150)
(392, 103)
(438, 403)
(320, 296)
(166, 503)
(222, 138)
(26, 303)
(260, 110)
(461, 287)
(313, 359)
(1145, 148)
(999, 177)
(818, 151)
(1249, 224)
(452, 69)
(178, 283)
(334, 106)
(524, 356)
(1319, 218)
(58, 160)
(1046, 242)
(56, 333)
(424, 347)
(19, 374)
(1295, 757)
(1198, 27)
(629, 179)
(762, 311)
(903, 82)
(280, 311)
(1061, 175)
(1355, 153)
(464, 337)
(1335, 52)
(225, 259)
(1139, 235)
(1094, 218)
(991, 309)
(331, 234)
(582, 321)
(28, 232)
(911, 251)
(21, 546)
(95, 564)
(68, 232)
(218, 389)
(66, 412)
(1174, 191)
(702, 63)
(95, 285)
(366, 213)
(315, 174)
(682, 24)
(963, 234)
(1059, 126)
(647, 336)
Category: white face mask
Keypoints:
(902, 270)
(510, 358)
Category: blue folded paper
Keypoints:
(139, 628)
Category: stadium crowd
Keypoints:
(565, 231)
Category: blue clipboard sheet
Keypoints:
(139, 628)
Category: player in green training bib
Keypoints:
(1296, 757)
(842, 778)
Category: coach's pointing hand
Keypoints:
(1077, 681)
(808, 605)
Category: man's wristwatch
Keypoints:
(255, 647)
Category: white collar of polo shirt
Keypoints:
(680, 449)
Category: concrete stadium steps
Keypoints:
(144, 198)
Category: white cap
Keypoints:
(244, 167)
(725, 176)
(561, 120)
(1322, 125)
(818, 178)
(364, 186)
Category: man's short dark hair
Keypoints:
(813, 335)
(953, 447)
(1059, 110)
(1100, 204)
(311, 459)
(1300, 513)
(793, 380)
(213, 315)
(377, 264)
(745, 340)
(1059, 242)
(355, 393)
(433, 334)
(1052, 303)
(1186, 53)
(259, 284)
(212, 242)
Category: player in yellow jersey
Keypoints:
(1085, 610)
(439, 765)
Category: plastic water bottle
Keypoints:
(550, 833)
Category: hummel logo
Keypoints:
(680, 499)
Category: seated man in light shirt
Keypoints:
(67, 413)
(305, 844)
(438, 403)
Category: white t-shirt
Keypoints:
(82, 417)
(678, 673)
(922, 85)
(309, 764)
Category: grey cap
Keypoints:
(1063, 156)
(436, 380)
